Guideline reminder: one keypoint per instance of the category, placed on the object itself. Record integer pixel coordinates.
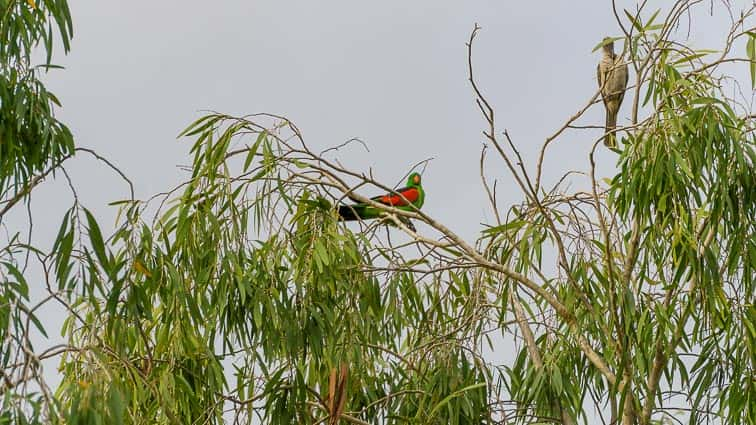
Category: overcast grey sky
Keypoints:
(390, 72)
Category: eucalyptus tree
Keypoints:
(32, 143)
(238, 296)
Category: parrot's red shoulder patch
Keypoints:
(395, 200)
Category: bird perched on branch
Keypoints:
(612, 81)
(409, 198)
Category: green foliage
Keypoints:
(32, 142)
(31, 138)
(239, 294)
(284, 309)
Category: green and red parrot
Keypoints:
(411, 199)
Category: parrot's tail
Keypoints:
(611, 123)
(349, 212)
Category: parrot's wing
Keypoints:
(410, 194)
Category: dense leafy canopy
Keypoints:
(31, 138)
(239, 296)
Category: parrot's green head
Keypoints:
(414, 180)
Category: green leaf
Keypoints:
(636, 22)
(38, 324)
(649, 24)
(606, 41)
(691, 57)
(451, 396)
(116, 406)
(95, 237)
(23, 287)
(751, 52)
(251, 152)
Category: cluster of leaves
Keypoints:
(688, 180)
(660, 274)
(170, 308)
(240, 296)
(31, 138)
(15, 322)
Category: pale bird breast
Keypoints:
(614, 70)
(607, 63)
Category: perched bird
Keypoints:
(612, 81)
(408, 198)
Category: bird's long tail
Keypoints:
(350, 212)
(611, 123)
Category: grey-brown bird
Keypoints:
(612, 81)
